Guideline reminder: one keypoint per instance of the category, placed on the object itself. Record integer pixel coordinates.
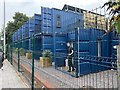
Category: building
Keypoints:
(91, 19)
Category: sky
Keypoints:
(29, 7)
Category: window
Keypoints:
(58, 24)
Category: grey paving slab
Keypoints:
(9, 77)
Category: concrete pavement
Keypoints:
(9, 78)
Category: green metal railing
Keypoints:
(18, 57)
(11, 47)
(15, 47)
(33, 63)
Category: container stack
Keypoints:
(54, 28)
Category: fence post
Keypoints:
(18, 58)
(118, 65)
(11, 53)
(33, 62)
(77, 52)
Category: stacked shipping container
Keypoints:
(54, 28)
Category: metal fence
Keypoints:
(91, 71)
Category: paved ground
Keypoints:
(9, 78)
(104, 79)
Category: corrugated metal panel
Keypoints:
(46, 16)
(37, 23)
(60, 47)
(47, 43)
(23, 44)
(27, 29)
(20, 33)
(38, 47)
(93, 42)
(84, 42)
(23, 32)
(106, 46)
(66, 18)
(114, 41)
(61, 20)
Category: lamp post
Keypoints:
(4, 32)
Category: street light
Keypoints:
(4, 32)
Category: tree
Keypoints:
(18, 20)
(114, 12)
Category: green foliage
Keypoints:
(47, 54)
(114, 12)
(21, 51)
(117, 25)
(16, 50)
(18, 20)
